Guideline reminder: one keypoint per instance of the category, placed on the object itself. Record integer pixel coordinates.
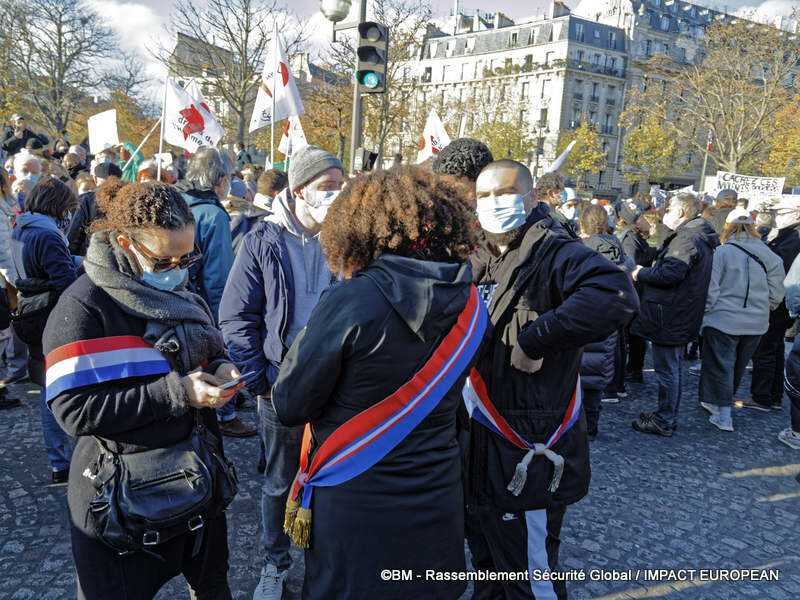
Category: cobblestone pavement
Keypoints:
(703, 499)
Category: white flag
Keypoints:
(434, 138)
(276, 79)
(559, 162)
(188, 123)
(293, 137)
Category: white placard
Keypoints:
(755, 189)
(103, 131)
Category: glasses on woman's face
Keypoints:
(160, 264)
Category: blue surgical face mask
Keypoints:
(498, 214)
(167, 281)
(612, 221)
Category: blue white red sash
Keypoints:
(100, 360)
(358, 444)
(481, 409)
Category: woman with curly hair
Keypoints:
(135, 367)
(386, 491)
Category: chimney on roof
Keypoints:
(558, 9)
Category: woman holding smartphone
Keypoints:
(134, 363)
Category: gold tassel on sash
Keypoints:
(291, 514)
(301, 530)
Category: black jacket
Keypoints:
(77, 232)
(547, 272)
(366, 337)
(597, 363)
(243, 158)
(635, 246)
(131, 415)
(674, 289)
(12, 144)
(786, 245)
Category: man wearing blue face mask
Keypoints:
(529, 452)
(277, 278)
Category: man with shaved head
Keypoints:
(528, 452)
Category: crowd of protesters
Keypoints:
(421, 344)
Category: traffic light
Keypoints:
(365, 160)
(373, 51)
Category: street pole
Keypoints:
(355, 133)
(703, 172)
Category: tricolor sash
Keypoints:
(481, 409)
(365, 439)
(99, 361)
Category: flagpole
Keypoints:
(275, 63)
(147, 137)
(702, 189)
(163, 120)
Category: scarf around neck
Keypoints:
(179, 322)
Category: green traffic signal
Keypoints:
(369, 79)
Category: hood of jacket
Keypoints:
(282, 215)
(421, 292)
(37, 221)
(197, 195)
(606, 244)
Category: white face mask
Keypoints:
(570, 211)
(319, 201)
(672, 219)
(786, 219)
(498, 214)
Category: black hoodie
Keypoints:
(366, 338)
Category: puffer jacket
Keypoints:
(8, 274)
(597, 363)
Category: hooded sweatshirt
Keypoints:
(310, 269)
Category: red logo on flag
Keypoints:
(194, 121)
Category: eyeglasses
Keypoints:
(161, 265)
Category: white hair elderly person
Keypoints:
(746, 284)
(27, 166)
(207, 183)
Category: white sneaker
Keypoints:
(711, 408)
(790, 438)
(721, 422)
(271, 585)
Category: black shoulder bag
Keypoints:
(147, 498)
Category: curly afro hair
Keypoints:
(406, 211)
(463, 157)
(135, 206)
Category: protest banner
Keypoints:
(103, 131)
(755, 189)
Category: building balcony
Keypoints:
(593, 68)
(577, 96)
(594, 99)
(607, 130)
(611, 101)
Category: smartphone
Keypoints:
(234, 382)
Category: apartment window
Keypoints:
(513, 39)
(665, 23)
(528, 61)
(470, 44)
(464, 72)
(593, 117)
(596, 33)
(594, 90)
(612, 39)
(612, 62)
(665, 48)
(580, 55)
(427, 76)
(543, 117)
(525, 86)
(609, 122)
(648, 47)
(445, 72)
(545, 87)
(548, 58)
(579, 31)
(596, 59)
(576, 114)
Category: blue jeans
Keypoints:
(57, 444)
(667, 364)
(282, 451)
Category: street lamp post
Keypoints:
(335, 11)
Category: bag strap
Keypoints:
(755, 258)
